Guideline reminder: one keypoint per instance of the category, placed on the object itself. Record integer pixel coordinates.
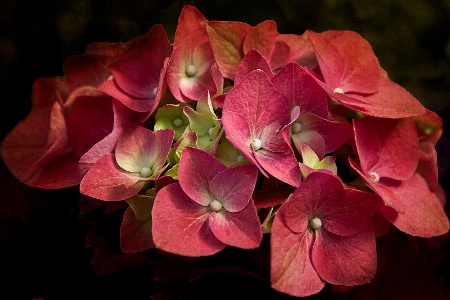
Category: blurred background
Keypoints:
(42, 251)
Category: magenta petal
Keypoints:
(89, 121)
(291, 269)
(384, 188)
(111, 88)
(181, 226)
(227, 40)
(281, 165)
(196, 170)
(135, 235)
(191, 49)
(345, 260)
(136, 148)
(238, 229)
(388, 147)
(259, 103)
(423, 214)
(301, 90)
(351, 213)
(233, 187)
(319, 195)
(346, 60)
(105, 180)
(137, 71)
(253, 60)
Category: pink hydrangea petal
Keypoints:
(105, 180)
(89, 121)
(60, 173)
(181, 226)
(257, 100)
(423, 215)
(196, 171)
(238, 229)
(137, 71)
(388, 147)
(35, 142)
(346, 60)
(191, 47)
(348, 260)
(282, 165)
(253, 60)
(352, 212)
(261, 37)
(391, 101)
(301, 90)
(311, 138)
(227, 40)
(233, 187)
(292, 271)
(135, 235)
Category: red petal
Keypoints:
(292, 271)
(89, 121)
(196, 171)
(346, 61)
(424, 214)
(388, 147)
(105, 180)
(348, 260)
(227, 40)
(180, 225)
(301, 90)
(191, 47)
(253, 60)
(233, 187)
(135, 235)
(281, 165)
(238, 229)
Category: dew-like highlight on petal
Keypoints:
(215, 205)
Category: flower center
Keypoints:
(338, 90)
(155, 90)
(296, 127)
(374, 177)
(256, 144)
(177, 122)
(191, 70)
(315, 223)
(215, 205)
(146, 172)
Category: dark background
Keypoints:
(42, 237)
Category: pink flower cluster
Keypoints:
(236, 131)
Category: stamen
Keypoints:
(146, 172)
(177, 122)
(155, 90)
(315, 223)
(338, 91)
(374, 177)
(256, 144)
(296, 127)
(215, 205)
(191, 70)
(240, 158)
